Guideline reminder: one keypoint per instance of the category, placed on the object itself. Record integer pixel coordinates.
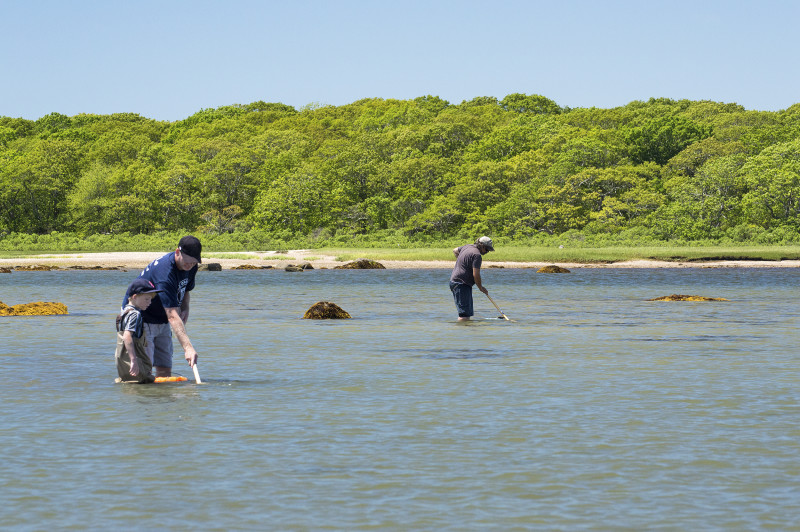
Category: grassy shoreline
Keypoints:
(580, 255)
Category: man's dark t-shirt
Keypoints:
(468, 257)
(165, 275)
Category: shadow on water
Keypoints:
(698, 338)
(447, 353)
(463, 354)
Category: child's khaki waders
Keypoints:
(123, 360)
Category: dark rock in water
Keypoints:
(38, 308)
(681, 297)
(210, 267)
(325, 310)
(361, 264)
(552, 269)
(5, 270)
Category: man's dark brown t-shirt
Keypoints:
(468, 257)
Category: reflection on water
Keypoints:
(593, 409)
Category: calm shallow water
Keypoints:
(594, 409)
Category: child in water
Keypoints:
(133, 364)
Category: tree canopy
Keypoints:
(515, 167)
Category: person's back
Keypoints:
(469, 257)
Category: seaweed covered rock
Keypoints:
(210, 267)
(38, 308)
(5, 270)
(251, 267)
(104, 268)
(361, 264)
(680, 297)
(325, 310)
(552, 269)
(298, 267)
(36, 268)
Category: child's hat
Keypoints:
(142, 286)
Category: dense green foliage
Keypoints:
(420, 170)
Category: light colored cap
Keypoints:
(486, 242)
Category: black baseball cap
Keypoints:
(191, 246)
(142, 286)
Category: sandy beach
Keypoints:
(136, 260)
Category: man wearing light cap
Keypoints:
(467, 272)
(173, 274)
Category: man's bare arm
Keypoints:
(476, 273)
(175, 321)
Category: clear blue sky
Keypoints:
(167, 59)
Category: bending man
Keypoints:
(467, 272)
(173, 274)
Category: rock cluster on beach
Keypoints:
(38, 308)
(325, 310)
(298, 267)
(48, 267)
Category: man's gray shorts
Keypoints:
(159, 344)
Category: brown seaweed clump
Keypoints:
(251, 267)
(104, 268)
(298, 267)
(361, 264)
(210, 267)
(552, 269)
(680, 297)
(36, 268)
(5, 270)
(38, 308)
(325, 310)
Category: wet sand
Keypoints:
(136, 260)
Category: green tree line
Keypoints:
(424, 168)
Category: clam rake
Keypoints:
(502, 314)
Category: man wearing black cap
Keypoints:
(173, 274)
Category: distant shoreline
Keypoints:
(137, 260)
